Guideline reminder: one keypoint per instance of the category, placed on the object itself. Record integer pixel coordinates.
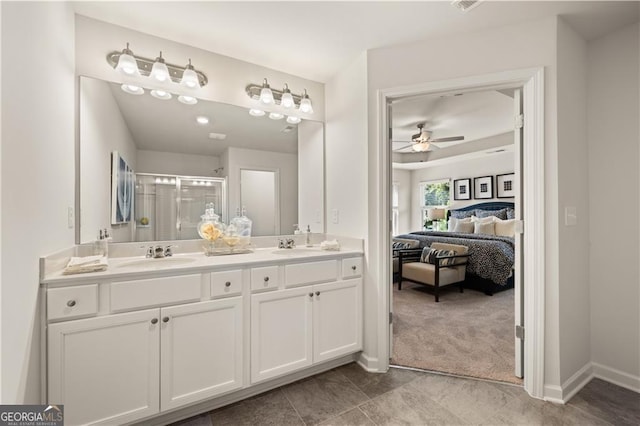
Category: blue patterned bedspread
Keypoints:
(492, 257)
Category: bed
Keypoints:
(490, 266)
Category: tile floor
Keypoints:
(350, 396)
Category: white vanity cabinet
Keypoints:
(295, 328)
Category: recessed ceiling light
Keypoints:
(293, 120)
(201, 119)
(187, 100)
(161, 94)
(276, 116)
(132, 89)
(287, 129)
(218, 136)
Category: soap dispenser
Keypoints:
(308, 237)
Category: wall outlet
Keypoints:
(71, 220)
(335, 216)
(570, 216)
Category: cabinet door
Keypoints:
(337, 319)
(280, 332)
(105, 370)
(201, 351)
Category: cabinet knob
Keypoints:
(317, 293)
(154, 321)
(311, 294)
(353, 267)
(227, 284)
(71, 303)
(165, 319)
(266, 279)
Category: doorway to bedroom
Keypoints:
(455, 195)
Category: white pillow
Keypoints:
(487, 228)
(487, 219)
(505, 228)
(464, 227)
(454, 221)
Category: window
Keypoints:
(395, 212)
(434, 193)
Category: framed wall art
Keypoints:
(483, 187)
(462, 189)
(505, 185)
(122, 188)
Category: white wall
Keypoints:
(613, 135)
(102, 130)
(402, 178)
(526, 45)
(172, 163)
(311, 175)
(227, 76)
(286, 164)
(489, 165)
(573, 191)
(38, 164)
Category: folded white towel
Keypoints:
(80, 265)
(330, 245)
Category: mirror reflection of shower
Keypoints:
(168, 207)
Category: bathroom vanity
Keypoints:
(149, 337)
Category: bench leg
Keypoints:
(436, 292)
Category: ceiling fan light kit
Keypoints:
(135, 68)
(421, 141)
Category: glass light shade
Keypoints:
(287, 100)
(276, 116)
(420, 147)
(161, 94)
(305, 106)
(160, 72)
(293, 120)
(127, 65)
(190, 79)
(256, 112)
(132, 89)
(266, 95)
(187, 100)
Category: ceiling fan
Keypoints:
(421, 141)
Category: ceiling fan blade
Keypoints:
(450, 139)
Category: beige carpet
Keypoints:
(470, 333)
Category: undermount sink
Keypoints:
(157, 263)
(297, 250)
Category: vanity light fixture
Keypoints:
(132, 89)
(159, 71)
(276, 116)
(189, 77)
(283, 98)
(201, 119)
(187, 100)
(161, 94)
(293, 119)
(256, 112)
(126, 63)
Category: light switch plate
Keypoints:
(335, 216)
(70, 218)
(570, 216)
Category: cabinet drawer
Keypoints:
(310, 272)
(72, 302)
(264, 278)
(126, 295)
(226, 283)
(351, 267)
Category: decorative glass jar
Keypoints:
(242, 227)
(210, 229)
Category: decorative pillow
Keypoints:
(398, 245)
(511, 213)
(505, 228)
(429, 255)
(461, 214)
(453, 221)
(464, 227)
(487, 219)
(501, 214)
(484, 228)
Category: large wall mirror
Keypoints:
(184, 156)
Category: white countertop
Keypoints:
(184, 263)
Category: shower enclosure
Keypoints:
(168, 207)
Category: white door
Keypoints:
(337, 319)
(201, 351)
(518, 272)
(105, 370)
(281, 330)
(259, 194)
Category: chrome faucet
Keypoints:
(157, 252)
(286, 244)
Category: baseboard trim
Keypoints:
(370, 364)
(553, 394)
(575, 383)
(616, 377)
